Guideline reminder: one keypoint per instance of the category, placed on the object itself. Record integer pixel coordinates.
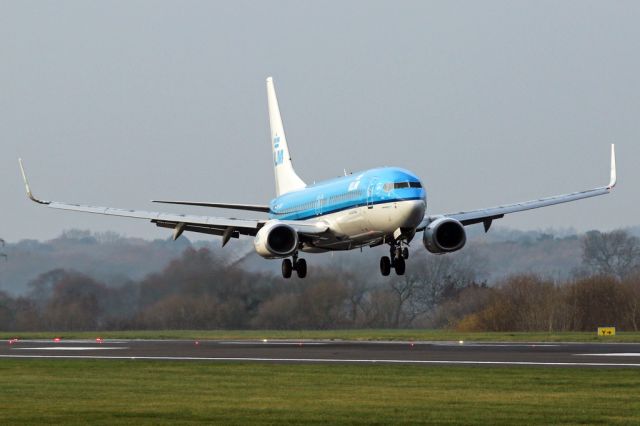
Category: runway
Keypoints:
(319, 351)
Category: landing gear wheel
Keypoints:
(301, 268)
(405, 253)
(287, 268)
(395, 253)
(400, 266)
(385, 265)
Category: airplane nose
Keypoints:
(415, 213)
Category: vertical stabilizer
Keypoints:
(286, 178)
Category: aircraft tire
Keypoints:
(385, 265)
(405, 253)
(301, 268)
(400, 266)
(287, 268)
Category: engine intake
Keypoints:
(444, 235)
(276, 240)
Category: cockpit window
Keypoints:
(399, 185)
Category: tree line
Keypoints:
(198, 291)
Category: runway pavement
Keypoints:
(319, 351)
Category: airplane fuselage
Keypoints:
(361, 209)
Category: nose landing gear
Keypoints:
(396, 260)
(298, 265)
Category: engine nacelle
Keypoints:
(444, 235)
(276, 239)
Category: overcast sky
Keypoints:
(116, 103)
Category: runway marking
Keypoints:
(614, 354)
(71, 348)
(335, 361)
(270, 342)
(72, 341)
(499, 345)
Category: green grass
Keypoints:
(155, 392)
(365, 334)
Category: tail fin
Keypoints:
(286, 178)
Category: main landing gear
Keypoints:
(298, 265)
(396, 260)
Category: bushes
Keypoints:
(196, 291)
(529, 303)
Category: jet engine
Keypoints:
(276, 239)
(444, 235)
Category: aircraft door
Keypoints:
(319, 205)
(371, 192)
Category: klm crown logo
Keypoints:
(278, 153)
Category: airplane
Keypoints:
(385, 205)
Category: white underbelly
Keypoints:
(369, 223)
(349, 223)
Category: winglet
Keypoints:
(27, 187)
(612, 181)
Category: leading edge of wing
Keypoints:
(250, 207)
(480, 215)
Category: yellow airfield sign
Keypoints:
(606, 331)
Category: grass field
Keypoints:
(148, 392)
(336, 334)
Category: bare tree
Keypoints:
(631, 284)
(4, 255)
(597, 301)
(614, 253)
(469, 301)
(403, 291)
(356, 293)
(440, 278)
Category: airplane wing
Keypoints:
(486, 216)
(225, 227)
(251, 207)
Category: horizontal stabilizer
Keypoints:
(251, 207)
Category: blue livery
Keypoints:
(374, 186)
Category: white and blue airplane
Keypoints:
(385, 205)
